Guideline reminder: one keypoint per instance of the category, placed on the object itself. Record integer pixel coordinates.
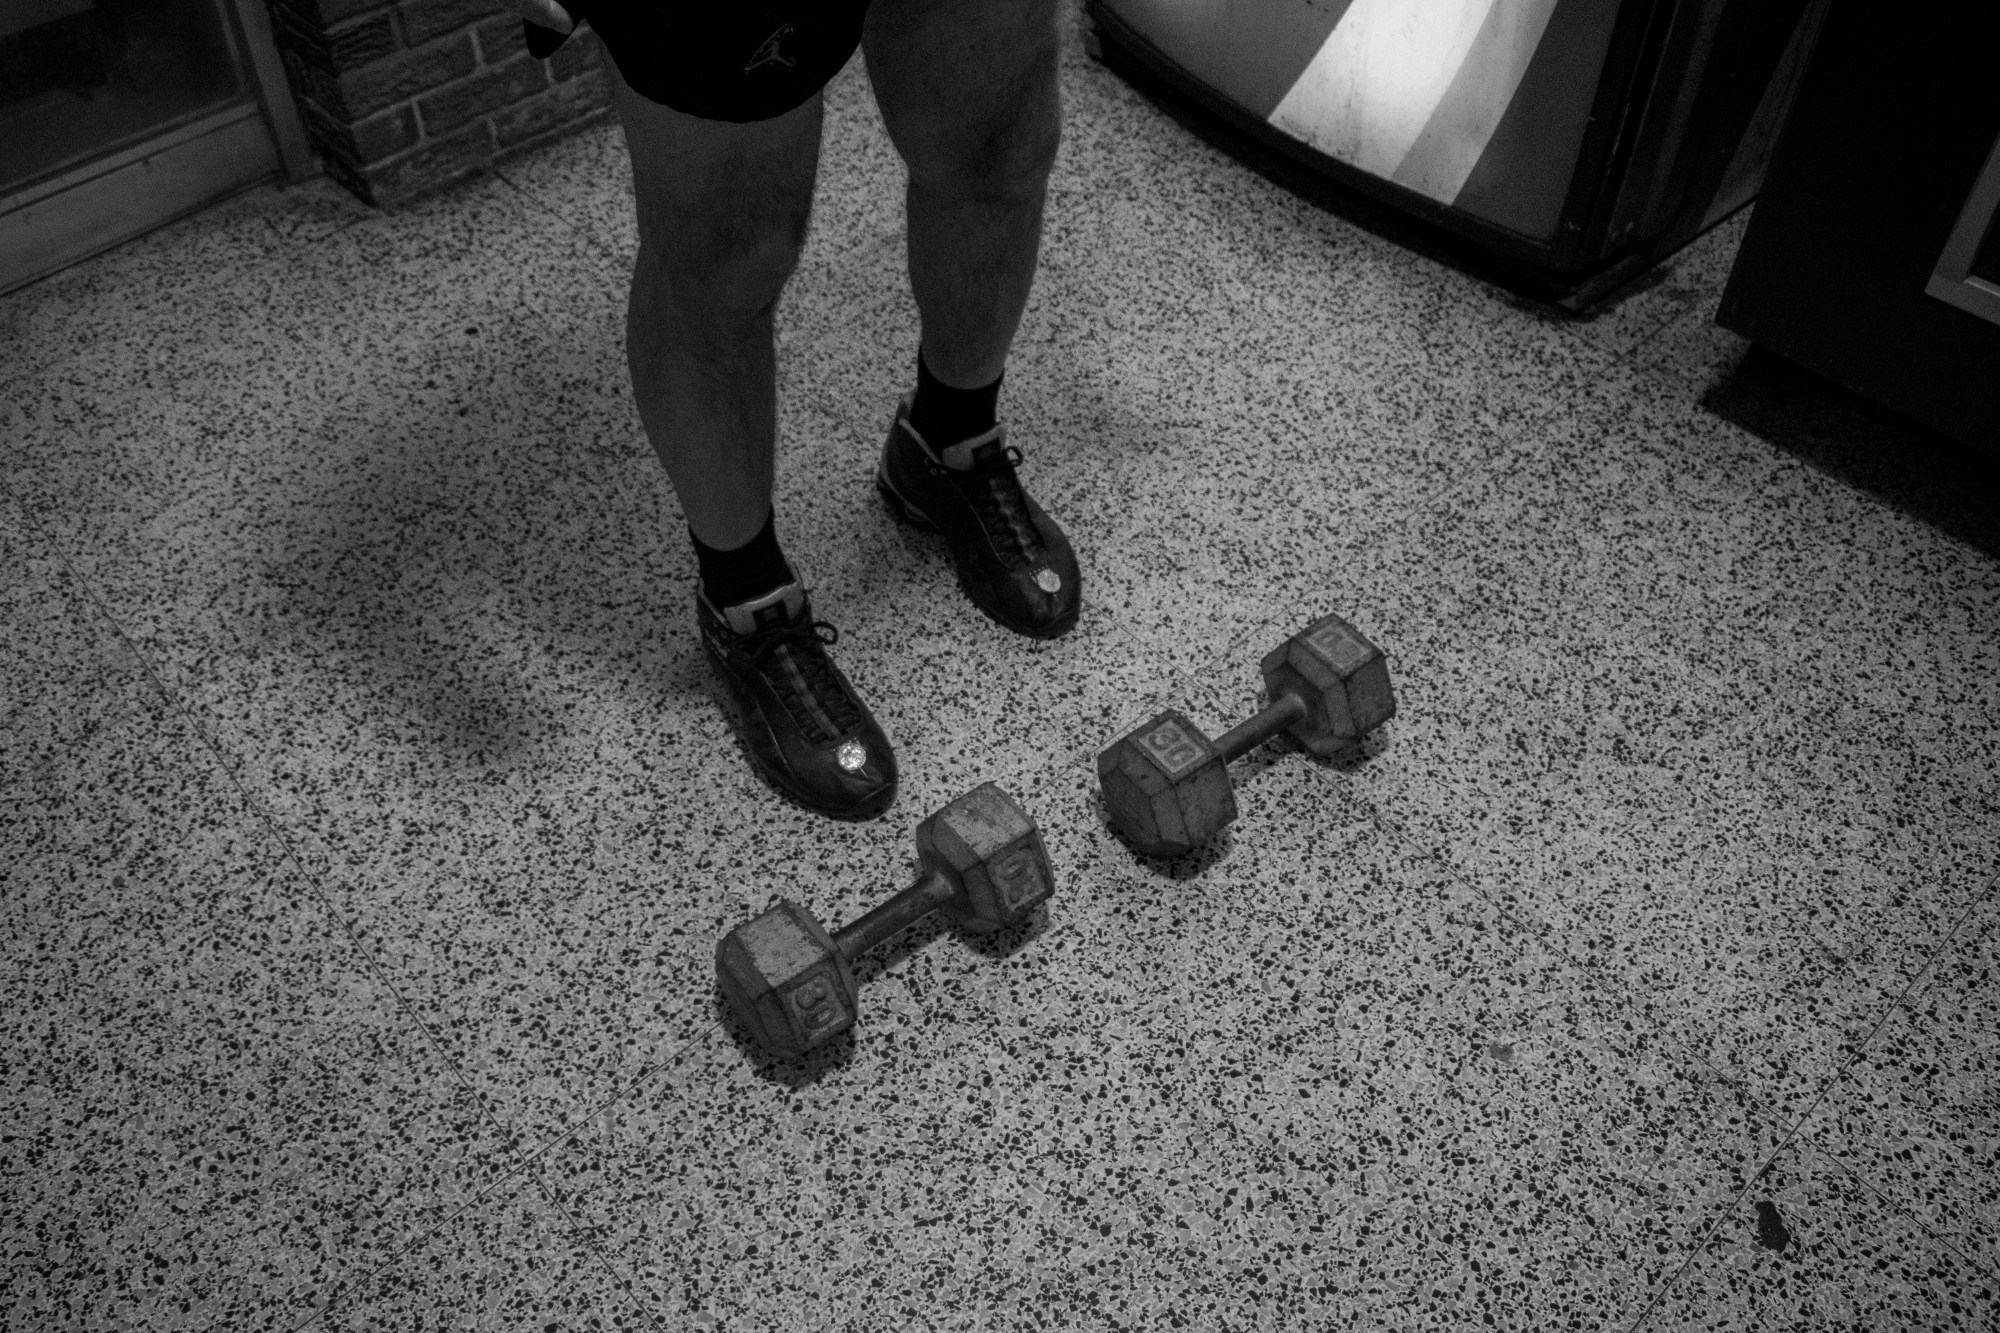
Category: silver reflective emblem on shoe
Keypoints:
(1048, 580)
(852, 755)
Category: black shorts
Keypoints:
(737, 60)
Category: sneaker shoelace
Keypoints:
(997, 500)
(794, 658)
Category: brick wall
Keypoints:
(401, 96)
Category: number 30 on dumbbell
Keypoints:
(981, 859)
(1166, 785)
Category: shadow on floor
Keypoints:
(1928, 477)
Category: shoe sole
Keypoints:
(918, 519)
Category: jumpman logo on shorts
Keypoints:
(768, 54)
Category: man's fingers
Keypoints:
(546, 14)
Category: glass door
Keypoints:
(119, 115)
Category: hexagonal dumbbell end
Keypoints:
(1166, 787)
(785, 978)
(989, 849)
(1342, 679)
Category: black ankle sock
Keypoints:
(944, 415)
(743, 573)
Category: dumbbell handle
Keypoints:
(930, 892)
(1244, 737)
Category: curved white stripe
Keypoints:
(1370, 90)
(1444, 156)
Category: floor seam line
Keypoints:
(290, 854)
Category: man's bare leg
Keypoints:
(968, 90)
(722, 217)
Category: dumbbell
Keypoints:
(1166, 785)
(981, 857)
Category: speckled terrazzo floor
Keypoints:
(369, 824)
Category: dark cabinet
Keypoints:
(1873, 258)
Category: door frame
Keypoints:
(180, 169)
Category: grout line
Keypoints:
(1593, 391)
(526, 1170)
(627, 1091)
(1919, 982)
(1709, 1234)
(597, 243)
(529, 1164)
(316, 236)
(1613, 989)
(264, 221)
(1623, 992)
(1618, 351)
(1811, 1144)
(366, 955)
(1344, 790)
(587, 1234)
(1810, 1141)
(1791, 1136)
(1896, 1206)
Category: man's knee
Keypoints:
(1002, 159)
(722, 208)
(733, 258)
(1003, 146)
(1017, 154)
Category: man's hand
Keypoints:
(545, 14)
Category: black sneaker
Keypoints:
(1012, 560)
(805, 729)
